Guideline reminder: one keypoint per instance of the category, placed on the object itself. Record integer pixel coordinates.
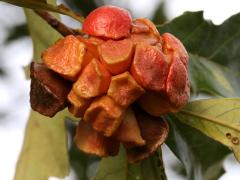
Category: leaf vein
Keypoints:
(224, 44)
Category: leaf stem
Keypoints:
(64, 10)
(161, 164)
(38, 5)
(213, 120)
(56, 24)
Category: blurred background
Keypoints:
(16, 53)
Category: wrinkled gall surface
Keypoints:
(100, 75)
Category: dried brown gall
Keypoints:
(49, 91)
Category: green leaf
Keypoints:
(82, 164)
(17, 32)
(113, 168)
(83, 6)
(190, 145)
(217, 118)
(43, 35)
(160, 16)
(214, 69)
(219, 44)
(44, 5)
(117, 168)
(44, 151)
(212, 78)
(201, 37)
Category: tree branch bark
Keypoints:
(56, 24)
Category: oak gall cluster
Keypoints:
(99, 76)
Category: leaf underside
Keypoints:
(44, 152)
(196, 151)
(217, 118)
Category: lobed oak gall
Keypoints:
(117, 62)
(108, 22)
(65, 57)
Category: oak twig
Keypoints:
(56, 24)
(43, 5)
(161, 165)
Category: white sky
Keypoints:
(216, 10)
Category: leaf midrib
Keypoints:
(223, 44)
(209, 119)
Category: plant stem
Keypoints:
(39, 5)
(64, 10)
(161, 165)
(56, 24)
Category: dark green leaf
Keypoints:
(113, 168)
(80, 161)
(83, 6)
(117, 168)
(214, 69)
(159, 16)
(204, 40)
(17, 32)
(201, 37)
(184, 26)
(2, 72)
(212, 78)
